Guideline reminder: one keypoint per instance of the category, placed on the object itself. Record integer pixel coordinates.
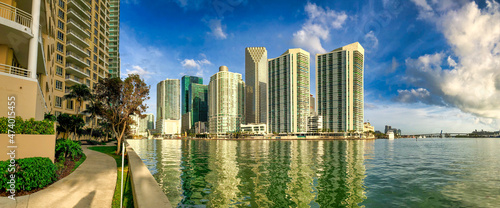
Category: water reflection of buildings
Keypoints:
(262, 173)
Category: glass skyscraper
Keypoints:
(198, 103)
(186, 82)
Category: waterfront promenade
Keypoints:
(90, 185)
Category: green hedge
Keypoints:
(27, 126)
(31, 173)
(68, 148)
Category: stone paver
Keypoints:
(91, 185)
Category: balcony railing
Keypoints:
(15, 70)
(79, 26)
(83, 20)
(69, 42)
(84, 40)
(80, 8)
(14, 14)
(75, 79)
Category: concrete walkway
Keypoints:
(90, 185)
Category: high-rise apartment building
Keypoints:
(289, 92)
(186, 82)
(114, 38)
(142, 125)
(256, 81)
(339, 88)
(168, 117)
(226, 102)
(27, 57)
(167, 99)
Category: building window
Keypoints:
(95, 76)
(95, 49)
(69, 104)
(60, 35)
(58, 101)
(59, 58)
(95, 67)
(95, 58)
(95, 31)
(58, 85)
(61, 14)
(88, 72)
(61, 3)
(60, 47)
(60, 24)
(95, 40)
(59, 71)
(88, 82)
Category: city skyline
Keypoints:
(408, 51)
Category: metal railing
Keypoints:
(79, 17)
(76, 79)
(79, 26)
(78, 6)
(72, 43)
(84, 40)
(14, 14)
(15, 70)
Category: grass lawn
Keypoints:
(127, 192)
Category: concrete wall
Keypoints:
(147, 193)
(29, 145)
(25, 90)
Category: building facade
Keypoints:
(167, 105)
(141, 126)
(256, 81)
(260, 129)
(225, 102)
(186, 82)
(114, 38)
(339, 88)
(289, 92)
(315, 123)
(27, 57)
(198, 103)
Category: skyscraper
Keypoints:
(114, 38)
(198, 102)
(167, 105)
(226, 102)
(186, 82)
(339, 88)
(289, 92)
(256, 80)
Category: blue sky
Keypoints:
(429, 65)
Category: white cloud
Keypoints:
(472, 81)
(216, 29)
(394, 64)
(427, 119)
(317, 27)
(371, 39)
(195, 67)
(137, 70)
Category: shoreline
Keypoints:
(267, 138)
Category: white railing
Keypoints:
(79, 17)
(15, 70)
(78, 6)
(14, 14)
(76, 79)
(79, 26)
(78, 36)
(69, 42)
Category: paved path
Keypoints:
(90, 185)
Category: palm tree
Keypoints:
(94, 110)
(81, 93)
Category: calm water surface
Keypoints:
(429, 172)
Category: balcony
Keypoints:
(72, 46)
(72, 80)
(74, 15)
(71, 56)
(74, 26)
(14, 14)
(75, 70)
(72, 35)
(74, 4)
(17, 71)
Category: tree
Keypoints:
(69, 123)
(94, 110)
(120, 99)
(81, 93)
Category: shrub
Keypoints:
(27, 126)
(68, 148)
(31, 173)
